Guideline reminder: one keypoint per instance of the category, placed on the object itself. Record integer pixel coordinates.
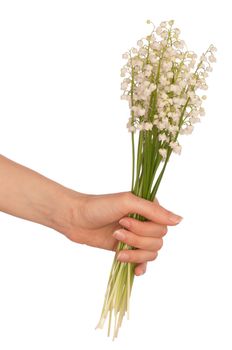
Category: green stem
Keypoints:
(156, 166)
(155, 189)
(132, 134)
(139, 163)
(133, 161)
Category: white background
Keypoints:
(61, 114)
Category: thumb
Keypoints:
(152, 211)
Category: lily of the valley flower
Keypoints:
(161, 82)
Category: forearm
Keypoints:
(29, 195)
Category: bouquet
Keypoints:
(161, 79)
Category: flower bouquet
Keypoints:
(161, 79)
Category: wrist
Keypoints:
(66, 206)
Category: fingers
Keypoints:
(144, 228)
(150, 210)
(136, 256)
(141, 242)
(145, 236)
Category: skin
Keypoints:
(99, 221)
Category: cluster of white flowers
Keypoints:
(160, 81)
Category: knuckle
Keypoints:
(126, 198)
(156, 201)
(126, 194)
(131, 257)
(164, 230)
(130, 195)
(133, 240)
(153, 256)
(159, 244)
(127, 238)
(136, 257)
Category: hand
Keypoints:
(102, 221)
(97, 220)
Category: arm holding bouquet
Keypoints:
(95, 220)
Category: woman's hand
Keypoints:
(102, 221)
(96, 220)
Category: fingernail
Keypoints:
(119, 234)
(122, 256)
(124, 222)
(176, 219)
(141, 272)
